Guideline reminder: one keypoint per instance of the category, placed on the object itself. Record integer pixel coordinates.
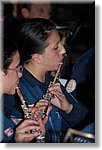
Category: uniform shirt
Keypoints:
(82, 86)
(10, 118)
(59, 121)
(82, 82)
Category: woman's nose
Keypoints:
(63, 51)
(19, 74)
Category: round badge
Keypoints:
(71, 86)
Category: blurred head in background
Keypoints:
(34, 10)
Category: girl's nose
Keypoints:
(63, 51)
(19, 74)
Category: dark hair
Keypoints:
(9, 49)
(32, 37)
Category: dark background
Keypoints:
(77, 20)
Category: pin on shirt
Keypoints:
(8, 132)
(71, 86)
(16, 120)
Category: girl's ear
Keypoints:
(25, 13)
(37, 58)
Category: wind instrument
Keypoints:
(48, 96)
(28, 115)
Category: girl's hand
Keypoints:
(23, 131)
(59, 99)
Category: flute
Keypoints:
(28, 115)
(48, 96)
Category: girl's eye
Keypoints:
(56, 48)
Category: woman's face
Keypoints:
(53, 54)
(11, 79)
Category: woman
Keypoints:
(41, 51)
(9, 75)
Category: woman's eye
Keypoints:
(56, 48)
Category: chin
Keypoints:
(57, 67)
(12, 92)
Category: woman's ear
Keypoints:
(25, 13)
(37, 58)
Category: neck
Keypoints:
(36, 71)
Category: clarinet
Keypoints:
(28, 115)
(48, 96)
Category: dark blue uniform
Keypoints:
(10, 118)
(82, 82)
(59, 121)
(82, 86)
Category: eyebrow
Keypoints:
(56, 43)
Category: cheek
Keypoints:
(11, 83)
(52, 57)
(33, 14)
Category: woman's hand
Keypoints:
(23, 131)
(59, 99)
(36, 110)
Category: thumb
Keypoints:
(45, 120)
(46, 117)
(48, 110)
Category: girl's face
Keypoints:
(11, 79)
(53, 54)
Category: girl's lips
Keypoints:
(60, 61)
(63, 58)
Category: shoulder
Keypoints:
(7, 128)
